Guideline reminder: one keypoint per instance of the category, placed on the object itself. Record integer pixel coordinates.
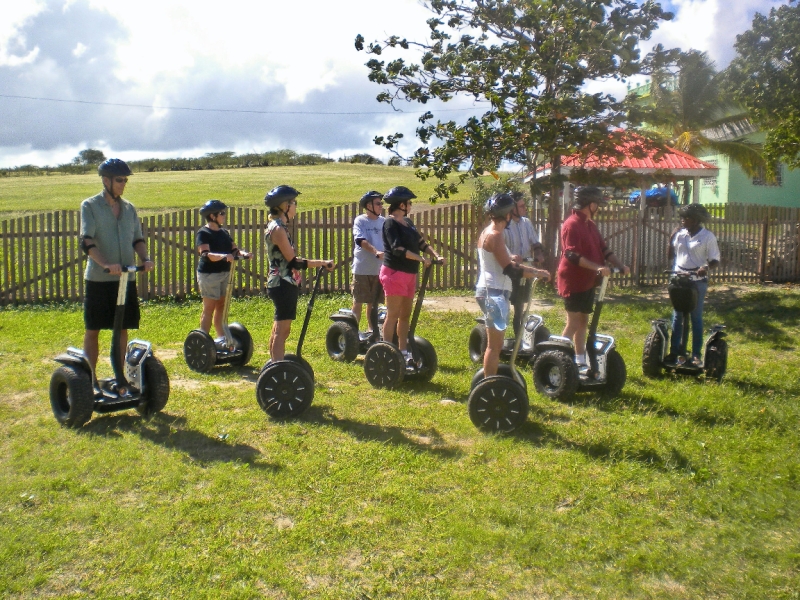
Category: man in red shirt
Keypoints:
(583, 259)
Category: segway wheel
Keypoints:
(244, 341)
(429, 362)
(498, 405)
(156, 388)
(199, 351)
(384, 366)
(477, 343)
(341, 342)
(651, 355)
(716, 360)
(504, 370)
(616, 374)
(71, 396)
(555, 375)
(284, 390)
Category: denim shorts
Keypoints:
(495, 306)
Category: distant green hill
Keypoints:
(321, 186)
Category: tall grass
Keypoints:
(675, 489)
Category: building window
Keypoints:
(761, 177)
(711, 182)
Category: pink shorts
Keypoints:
(398, 283)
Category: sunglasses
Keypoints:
(293, 203)
(121, 179)
(378, 202)
(222, 213)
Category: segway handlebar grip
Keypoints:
(128, 269)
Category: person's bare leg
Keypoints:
(491, 358)
(576, 328)
(277, 341)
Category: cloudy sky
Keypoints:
(258, 75)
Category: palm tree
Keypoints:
(688, 111)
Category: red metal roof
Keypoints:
(670, 159)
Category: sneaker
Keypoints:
(696, 362)
(220, 344)
(680, 360)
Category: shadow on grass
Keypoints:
(540, 435)
(169, 432)
(650, 406)
(421, 440)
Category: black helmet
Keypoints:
(499, 205)
(399, 194)
(212, 207)
(587, 194)
(369, 197)
(698, 212)
(279, 195)
(113, 167)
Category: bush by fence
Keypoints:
(41, 260)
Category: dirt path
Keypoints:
(467, 304)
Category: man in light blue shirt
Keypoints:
(523, 243)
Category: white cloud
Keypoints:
(79, 50)
(13, 15)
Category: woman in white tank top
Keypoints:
(494, 280)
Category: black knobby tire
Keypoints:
(302, 362)
(244, 341)
(199, 351)
(341, 342)
(284, 390)
(651, 355)
(384, 366)
(555, 375)
(616, 373)
(504, 370)
(425, 353)
(156, 388)
(716, 360)
(498, 404)
(477, 343)
(71, 396)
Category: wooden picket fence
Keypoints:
(42, 262)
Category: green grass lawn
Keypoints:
(321, 186)
(675, 489)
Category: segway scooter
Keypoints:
(499, 403)
(384, 365)
(656, 345)
(285, 388)
(202, 352)
(140, 380)
(534, 332)
(556, 375)
(344, 342)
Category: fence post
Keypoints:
(762, 259)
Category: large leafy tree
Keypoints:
(687, 109)
(765, 77)
(525, 63)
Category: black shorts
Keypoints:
(285, 300)
(100, 304)
(518, 295)
(582, 302)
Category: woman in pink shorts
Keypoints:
(403, 247)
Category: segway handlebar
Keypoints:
(128, 269)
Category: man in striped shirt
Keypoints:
(523, 243)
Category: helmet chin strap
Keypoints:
(110, 188)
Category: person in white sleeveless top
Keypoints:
(496, 269)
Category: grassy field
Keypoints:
(321, 186)
(675, 489)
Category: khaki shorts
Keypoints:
(367, 289)
(213, 285)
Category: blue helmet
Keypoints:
(399, 194)
(279, 195)
(212, 207)
(499, 205)
(369, 197)
(114, 167)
